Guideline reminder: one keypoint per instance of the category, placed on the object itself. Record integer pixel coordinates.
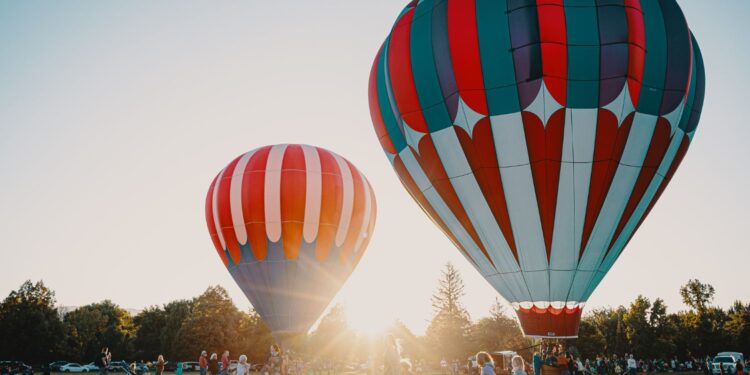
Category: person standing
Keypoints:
(580, 368)
(562, 363)
(487, 365)
(738, 366)
(632, 365)
(274, 360)
(213, 364)
(224, 363)
(203, 363)
(537, 359)
(243, 367)
(105, 357)
(517, 363)
(160, 365)
(391, 356)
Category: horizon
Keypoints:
(117, 116)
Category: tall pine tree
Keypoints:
(449, 329)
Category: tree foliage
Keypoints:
(697, 295)
(498, 332)
(649, 331)
(30, 328)
(92, 327)
(449, 329)
(332, 338)
(212, 325)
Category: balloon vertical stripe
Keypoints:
(313, 193)
(293, 199)
(253, 190)
(272, 193)
(235, 198)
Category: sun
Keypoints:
(370, 319)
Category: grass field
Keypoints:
(340, 373)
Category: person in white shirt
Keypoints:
(243, 367)
(632, 365)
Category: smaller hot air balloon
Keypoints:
(290, 223)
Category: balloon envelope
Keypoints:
(538, 134)
(290, 222)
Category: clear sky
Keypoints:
(116, 115)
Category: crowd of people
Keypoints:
(552, 359)
(628, 364)
(277, 363)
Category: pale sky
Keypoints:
(116, 115)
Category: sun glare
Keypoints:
(371, 320)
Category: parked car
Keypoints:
(728, 362)
(168, 366)
(15, 368)
(91, 367)
(190, 366)
(141, 368)
(118, 366)
(73, 367)
(55, 366)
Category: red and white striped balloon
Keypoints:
(290, 193)
(290, 222)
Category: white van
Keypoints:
(736, 355)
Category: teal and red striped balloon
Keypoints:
(538, 134)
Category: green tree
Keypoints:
(175, 315)
(590, 339)
(149, 325)
(602, 331)
(737, 326)
(255, 337)
(497, 332)
(89, 328)
(705, 322)
(697, 295)
(637, 327)
(30, 327)
(663, 331)
(449, 328)
(212, 324)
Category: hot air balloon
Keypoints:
(290, 223)
(538, 134)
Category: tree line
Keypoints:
(646, 329)
(33, 329)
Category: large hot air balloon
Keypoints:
(538, 134)
(290, 222)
